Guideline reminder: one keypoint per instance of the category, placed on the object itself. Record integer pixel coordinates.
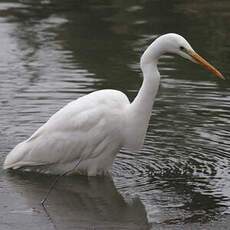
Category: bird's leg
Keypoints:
(52, 187)
(55, 182)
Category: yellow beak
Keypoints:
(198, 59)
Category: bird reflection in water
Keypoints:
(80, 202)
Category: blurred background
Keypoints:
(55, 51)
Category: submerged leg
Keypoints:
(52, 187)
(55, 182)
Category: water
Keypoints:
(55, 51)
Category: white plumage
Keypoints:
(92, 129)
(86, 129)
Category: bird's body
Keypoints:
(91, 130)
(87, 129)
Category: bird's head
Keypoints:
(176, 44)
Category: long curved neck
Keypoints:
(144, 100)
(141, 107)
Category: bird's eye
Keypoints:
(182, 48)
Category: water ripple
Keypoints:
(49, 57)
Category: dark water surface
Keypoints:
(54, 51)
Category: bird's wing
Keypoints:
(81, 130)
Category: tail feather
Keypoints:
(14, 159)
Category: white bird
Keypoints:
(90, 131)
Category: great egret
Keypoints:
(90, 131)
